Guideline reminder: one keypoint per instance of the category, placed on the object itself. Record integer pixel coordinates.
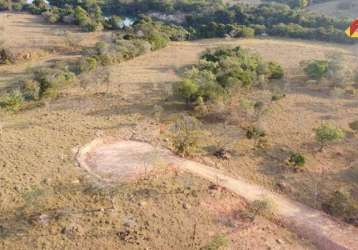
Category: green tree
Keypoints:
(276, 71)
(327, 133)
(296, 160)
(157, 40)
(316, 69)
(187, 89)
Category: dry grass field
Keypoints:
(48, 202)
(35, 43)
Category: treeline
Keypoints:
(270, 19)
(13, 4)
(166, 6)
(203, 19)
(292, 3)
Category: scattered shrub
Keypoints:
(157, 40)
(31, 89)
(218, 242)
(12, 101)
(335, 69)
(316, 69)
(328, 133)
(277, 97)
(115, 22)
(255, 133)
(51, 17)
(263, 208)
(187, 89)
(186, 135)
(296, 160)
(342, 204)
(354, 126)
(157, 112)
(246, 104)
(259, 106)
(276, 71)
(6, 56)
(51, 80)
(87, 64)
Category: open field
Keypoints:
(34, 43)
(29, 33)
(44, 195)
(289, 123)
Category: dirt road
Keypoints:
(101, 159)
(309, 223)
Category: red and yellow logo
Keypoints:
(352, 30)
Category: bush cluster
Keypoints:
(46, 82)
(104, 54)
(12, 101)
(88, 14)
(316, 69)
(6, 56)
(327, 133)
(222, 69)
(16, 5)
(354, 126)
(296, 160)
(342, 204)
(145, 35)
(334, 70)
(220, 241)
(186, 135)
(49, 81)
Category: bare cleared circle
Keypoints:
(119, 160)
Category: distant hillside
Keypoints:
(337, 8)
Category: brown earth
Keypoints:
(39, 175)
(116, 160)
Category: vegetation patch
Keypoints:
(342, 204)
(186, 135)
(296, 160)
(12, 101)
(327, 133)
(220, 71)
(6, 56)
(220, 241)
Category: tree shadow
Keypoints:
(316, 107)
(273, 160)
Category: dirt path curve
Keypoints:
(111, 159)
(309, 223)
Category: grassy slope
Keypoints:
(48, 202)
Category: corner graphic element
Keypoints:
(352, 30)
